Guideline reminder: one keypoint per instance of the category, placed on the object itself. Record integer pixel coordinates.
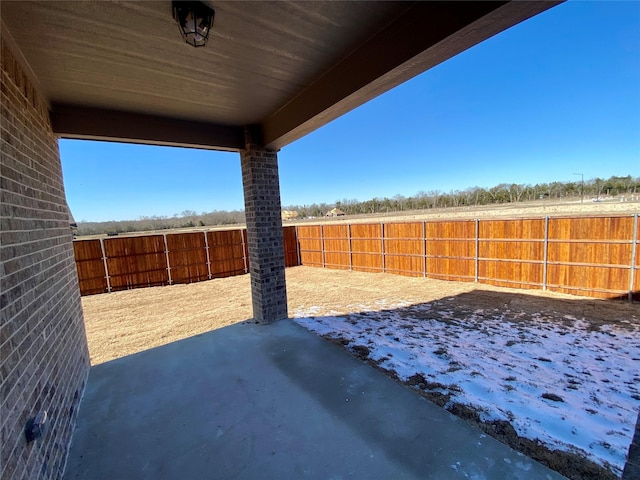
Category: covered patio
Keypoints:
(249, 401)
(270, 73)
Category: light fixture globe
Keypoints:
(194, 20)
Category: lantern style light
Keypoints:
(194, 20)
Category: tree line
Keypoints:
(472, 196)
(186, 219)
(475, 196)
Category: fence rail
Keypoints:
(592, 256)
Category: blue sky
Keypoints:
(555, 95)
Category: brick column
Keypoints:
(264, 232)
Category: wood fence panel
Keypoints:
(290, 246)
(587, 280)
(451, 249)
(336, 247)
(511, 274)
(187, 257)
(92, 277)
(135, 262)
(227, 252)
(590, 253)
(404, 249)
(584, 255)
(366, 247)
(511, 252)
(590, 256)
(591, 228)
(454, 269)
(521, 239)
(310, 244)
(526, 250)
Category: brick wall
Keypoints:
(43, 350)
(261, 184)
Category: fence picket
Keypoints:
(545, 265)
(324, 262)
(350, 249)
(634, 249)
(382, 247)
(424, 249)
(477, 249)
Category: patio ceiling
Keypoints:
(121, 71)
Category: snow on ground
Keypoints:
(505, 363)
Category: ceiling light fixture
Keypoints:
(195, 20)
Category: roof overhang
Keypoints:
(121, 71)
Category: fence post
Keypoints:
(382, 245)
(206, 249)
(634, 248)
(322, 244)
(106, 269)
(244, 251)
(477, 259)
(349, 240)
(424, 249)
(166, 254)
(545, 264)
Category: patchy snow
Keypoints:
(555, 379)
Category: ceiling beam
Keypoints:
(422, 36)
(69, 121)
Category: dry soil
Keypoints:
(122, 323)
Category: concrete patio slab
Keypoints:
(255, 402)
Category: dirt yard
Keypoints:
(126, 322)
(562, 351)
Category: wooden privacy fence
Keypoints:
(592, 256)
(121, 263)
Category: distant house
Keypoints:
(289, 215)
(335, 212)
